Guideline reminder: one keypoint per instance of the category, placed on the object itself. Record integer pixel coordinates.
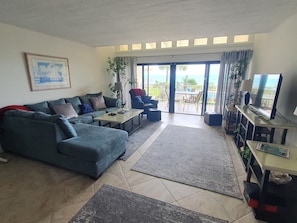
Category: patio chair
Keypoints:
(177, 99)
(192, 99)
(197, 99)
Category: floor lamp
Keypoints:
(118, 88)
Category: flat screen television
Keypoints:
(264, 94)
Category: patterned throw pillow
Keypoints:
(98, 102)
(65, 109)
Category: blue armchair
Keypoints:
(140, 100)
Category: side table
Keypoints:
(260, 164)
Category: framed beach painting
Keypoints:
(47, 72)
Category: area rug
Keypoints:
(196, 157)
(139, 137)
(111, 204)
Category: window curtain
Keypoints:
(225, 85)
(131, 77)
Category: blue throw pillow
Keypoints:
(67, 127)
(146, 99)
(60, 120)
(85, 108)
(138, 99)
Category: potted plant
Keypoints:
(117, 68)
(238, 71)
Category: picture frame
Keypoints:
(47, 72)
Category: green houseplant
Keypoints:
(237, 74)
(117, 68)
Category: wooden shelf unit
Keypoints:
(249, 126)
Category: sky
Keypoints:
(195, 71)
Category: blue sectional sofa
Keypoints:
(79, 104)
(76, 144)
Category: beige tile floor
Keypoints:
(32, 191)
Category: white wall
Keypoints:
(86, 65)
(276, 52)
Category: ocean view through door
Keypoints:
(188, 88)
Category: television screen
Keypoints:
(264, 94)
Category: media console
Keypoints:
(250, 125)
(268, 200)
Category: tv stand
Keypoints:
(250, 126)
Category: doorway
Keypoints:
(185, 88)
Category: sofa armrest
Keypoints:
(155, 102)
(112, 102)
(137, 104)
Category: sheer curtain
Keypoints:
(225, 85)
(131, 71)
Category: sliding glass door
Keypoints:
(211, 86)
(188, 88)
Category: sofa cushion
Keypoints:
(75, 101)
(86, 119)
(85, 99)
(81, 149)
(41, 106)
(95, 114)
(65, 109)
(93, 143)
(55, 102)
(98, 102)
(112, 102)
(41, 116)
(60, 120)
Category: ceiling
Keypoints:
(115, 22)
